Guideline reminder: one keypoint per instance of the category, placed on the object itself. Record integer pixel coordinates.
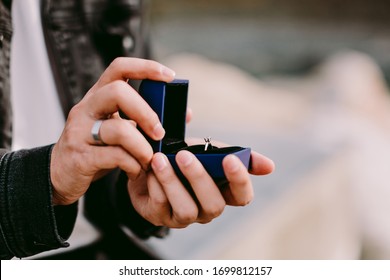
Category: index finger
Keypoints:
(124, 68)
(119, 95)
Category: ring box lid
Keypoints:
(169, 101)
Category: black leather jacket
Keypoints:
(82, 38)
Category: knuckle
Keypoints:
(117, 88)
(152, 218)
(245, 196)
(186, 215)
(215, 210)
(117, 93)
(75, 111)
(70, 138)
(117, 62)
(159, 201)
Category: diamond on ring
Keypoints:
(207, 141)
(95, 132)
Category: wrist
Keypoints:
(58, 196)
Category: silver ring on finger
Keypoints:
(95, 133)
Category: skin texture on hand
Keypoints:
(76, 161)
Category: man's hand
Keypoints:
(165, 201)
(76, 158)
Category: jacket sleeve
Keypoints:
(29, 223)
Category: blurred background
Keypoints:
(306, 84)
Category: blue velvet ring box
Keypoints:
(169, 101)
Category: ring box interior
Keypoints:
(169, 101)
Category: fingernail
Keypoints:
(159, 162)
(158, 131)
(232, 163)
(165, 71)
(184, 158)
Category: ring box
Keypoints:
(169, 101)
